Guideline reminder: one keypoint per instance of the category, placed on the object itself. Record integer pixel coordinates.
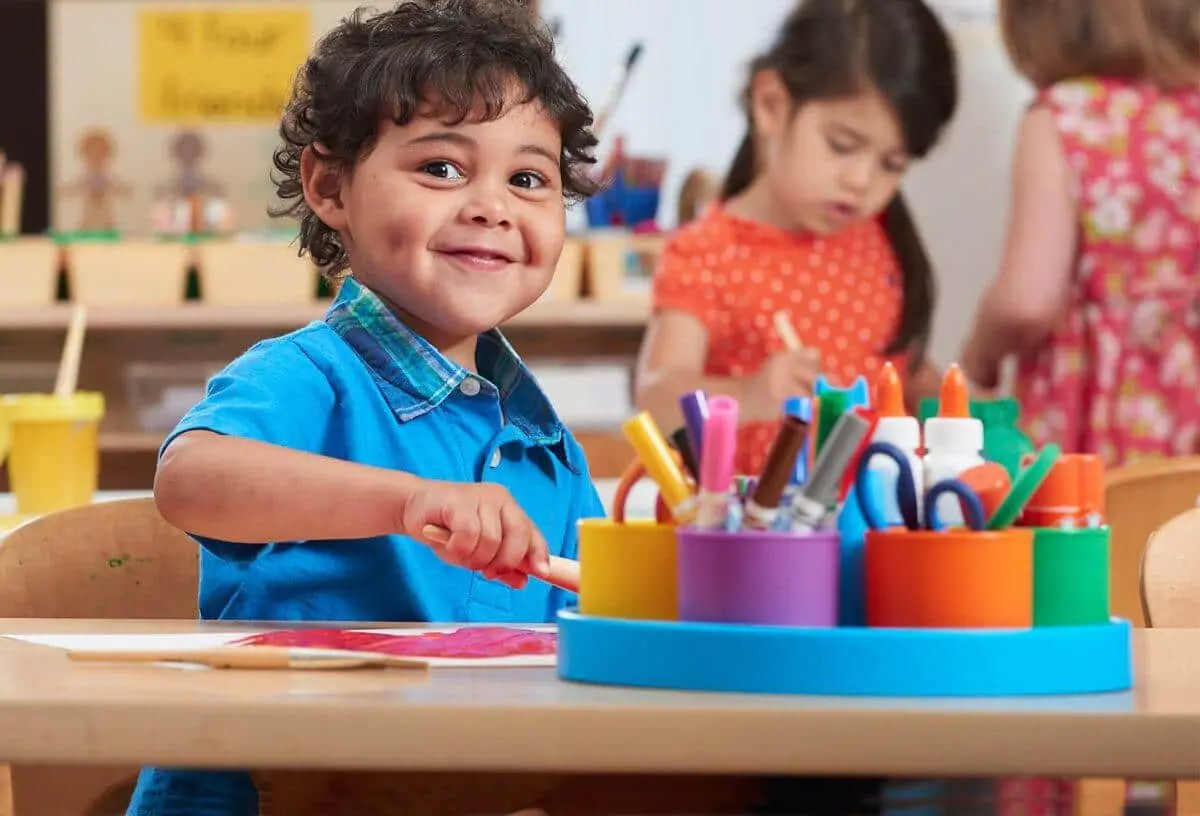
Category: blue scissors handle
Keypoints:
(973, 512)
(906, 488)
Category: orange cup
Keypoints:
(954, 579)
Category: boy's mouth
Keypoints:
(478, 257)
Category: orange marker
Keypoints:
(897, 428)
(953, 441)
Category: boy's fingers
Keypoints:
(491, 538)
(464, 533)
(518, 539)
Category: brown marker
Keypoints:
(763, 505)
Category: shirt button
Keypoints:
(470, 386)
(496, 458)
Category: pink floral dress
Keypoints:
(1120, 375)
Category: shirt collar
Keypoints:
(418, 378)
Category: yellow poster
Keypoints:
(219, 64)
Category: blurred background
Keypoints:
(144, 133)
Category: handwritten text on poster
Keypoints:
(219, 64)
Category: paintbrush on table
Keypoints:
(253, 657)
(564, 573)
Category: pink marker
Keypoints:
(716, 463)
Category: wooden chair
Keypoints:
(109, 560)
(1169, 587)
(1140, 498)
(1170, 573)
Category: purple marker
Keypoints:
(695, 414)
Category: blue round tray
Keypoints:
(846, 660)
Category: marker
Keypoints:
(801, 408)
(762, 507)
(695, 413)
(716, 465)
(953, 441)
(681, 443)
(812, 503)
(647, 440)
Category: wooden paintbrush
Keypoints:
(253, 657)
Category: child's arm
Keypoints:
(1024, 301)
(240, 490)
(671, 364)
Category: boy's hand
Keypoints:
(787, 374)
(488, 531)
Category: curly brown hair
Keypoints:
(462, 55)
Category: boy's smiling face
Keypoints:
(457, 226)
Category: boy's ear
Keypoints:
(322, 182)
(770, 103)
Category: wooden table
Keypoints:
(55, 711)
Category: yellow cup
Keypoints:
(628, 570)
(52, 448)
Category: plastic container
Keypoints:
(628, 570)
(953, 442)
(895, 427)
(1071, 575)
(1071, 496)
(621, 264)
(951, 579)
(29, 272)
(567, 284)
(52, 449)
(161, 393)
(767, 579)
(128, 273)
(254, 272)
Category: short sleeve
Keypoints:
(273, 393)
(683, 281)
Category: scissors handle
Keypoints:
(906, 490)
(972, 506)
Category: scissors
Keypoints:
(906, 495)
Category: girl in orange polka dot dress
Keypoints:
(810, 223)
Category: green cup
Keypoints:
(1070, 576)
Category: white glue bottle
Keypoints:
(953, 442)
(895, 427)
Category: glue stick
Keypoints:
(897, 428)
(953, 442)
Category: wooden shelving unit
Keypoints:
(194, 332)
(582, 313)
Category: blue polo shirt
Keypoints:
(361, 386)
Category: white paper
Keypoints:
(84, 642)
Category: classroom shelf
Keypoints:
(614, 314)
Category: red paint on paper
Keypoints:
(474, 642)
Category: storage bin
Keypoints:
(161, 393)
(621, 264)
(128, 273)
(248, 272)
(28, 272)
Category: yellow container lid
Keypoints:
(82, 406)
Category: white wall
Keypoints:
(683, 103)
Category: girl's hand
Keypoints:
(787, 374)
(488, 531)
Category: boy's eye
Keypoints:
(528, 180)
(442, 170)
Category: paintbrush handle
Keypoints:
(250, 657)
(564, 573)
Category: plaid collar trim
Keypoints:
(418, 378)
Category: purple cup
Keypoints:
(758, 578)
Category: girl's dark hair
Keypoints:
(461, 55)
(833, 49)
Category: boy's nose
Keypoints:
(487, 209)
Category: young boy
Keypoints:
(429, 148)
